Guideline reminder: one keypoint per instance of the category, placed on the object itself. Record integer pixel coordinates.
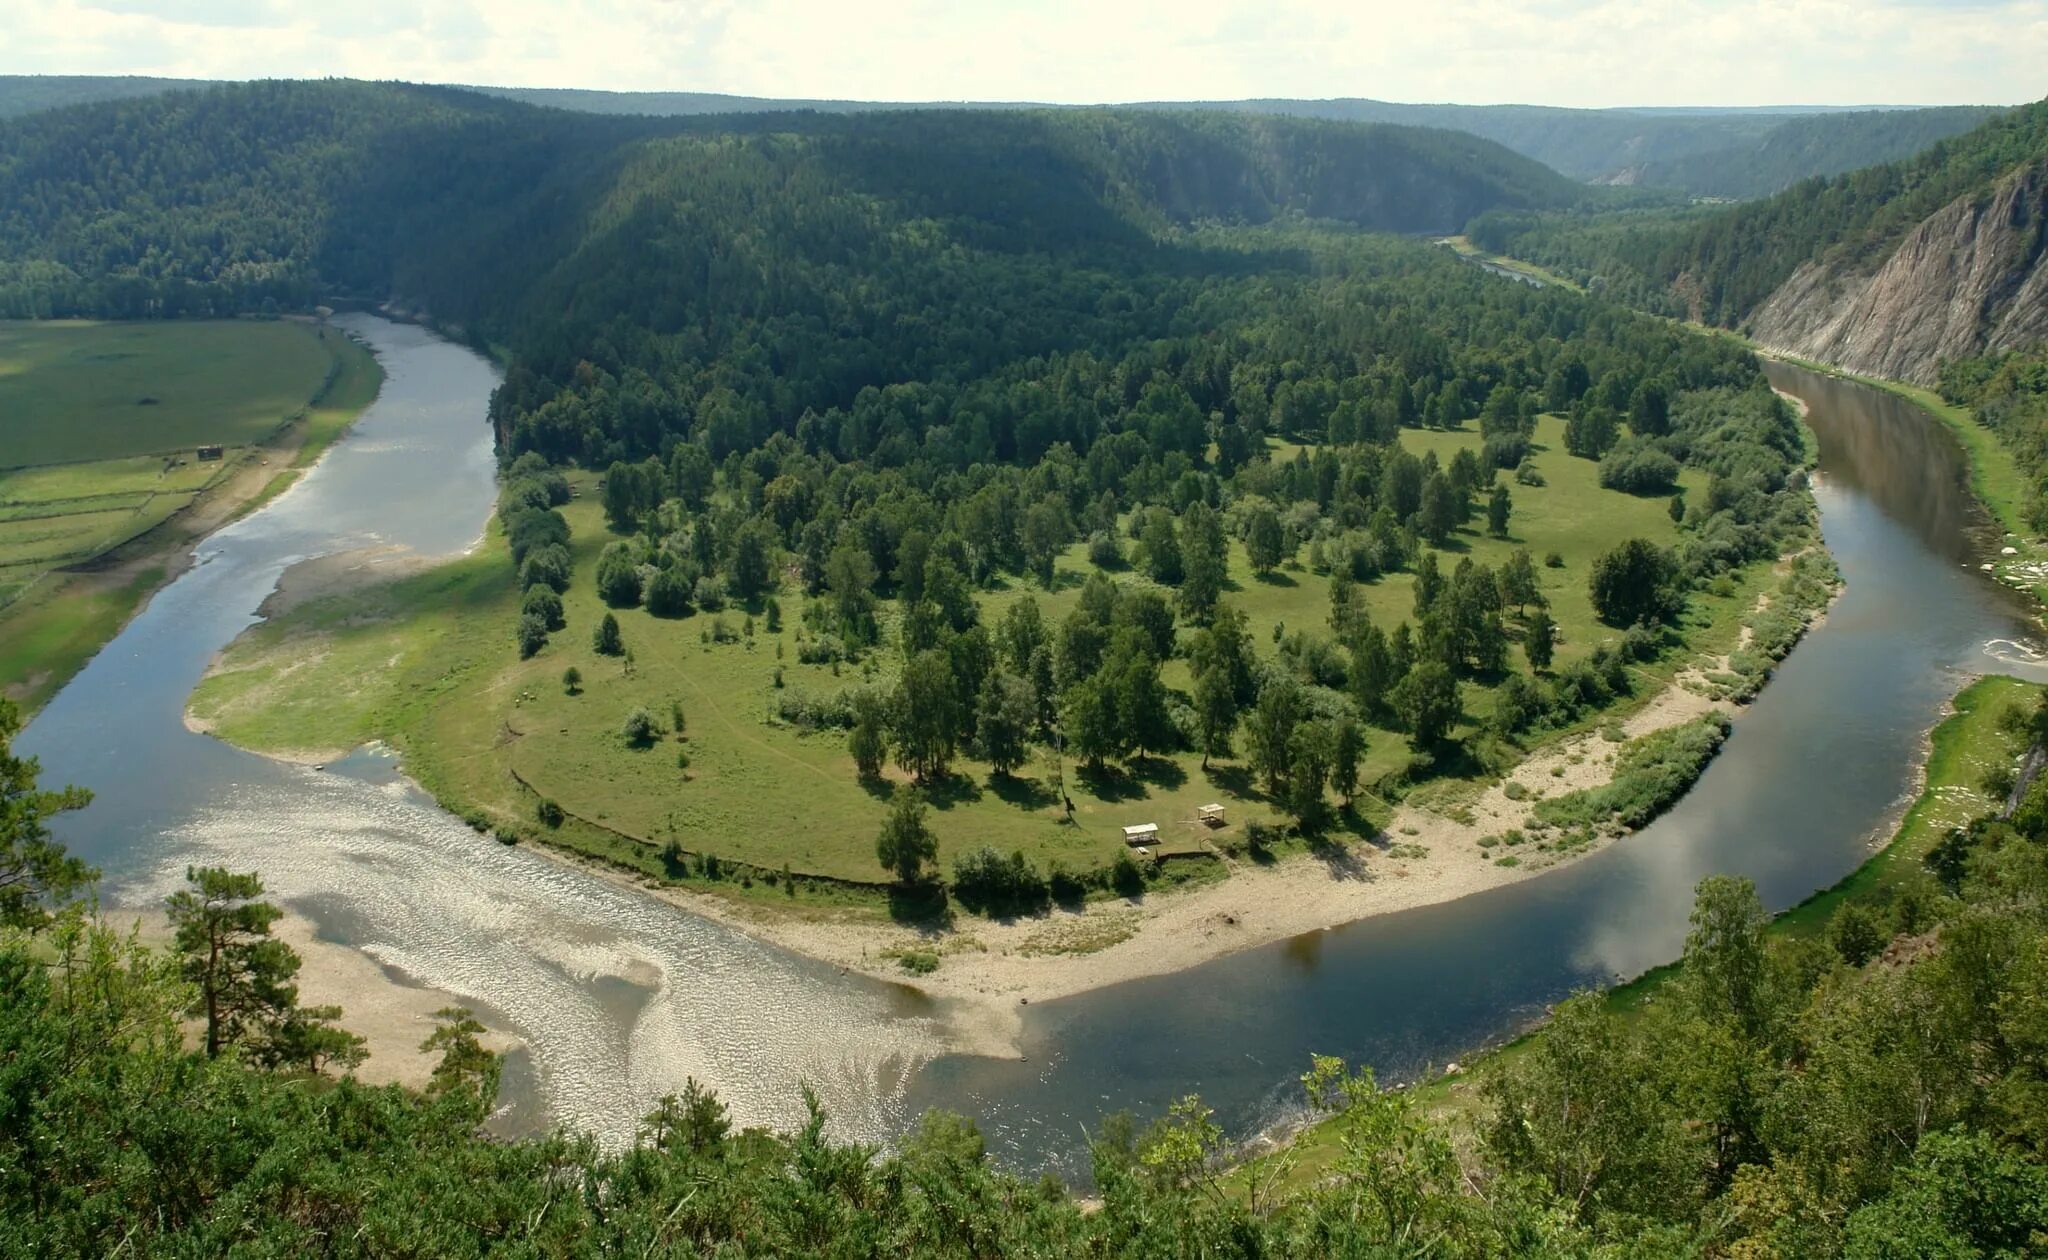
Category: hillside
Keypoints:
(1733, 153)
(231, 197)
(1885, 270)
(1800, 148)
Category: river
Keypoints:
(617, 998)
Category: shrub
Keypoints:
(543, 602)
(1125, 877)
(668, 593)
(1638, 467)
(532, 634)
(918, 962)
(1104, 552)
(572, 680)
(985, 881)
(550, 814)
(1552, 560)
(640, 729)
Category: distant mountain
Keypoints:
(198, 201)
(1709, 152)
(1803, 147)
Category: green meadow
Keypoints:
(428, 664)
(99, 429)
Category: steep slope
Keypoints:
(1968, 279)
(1887, 269)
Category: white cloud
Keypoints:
(1563, 52)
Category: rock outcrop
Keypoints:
(1970, 278)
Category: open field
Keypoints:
(387, 662)
(84, 542)
(74, 390)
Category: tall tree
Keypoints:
(906, 842)
(243, 976)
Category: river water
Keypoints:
(617, 999)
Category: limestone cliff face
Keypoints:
(1970, 278)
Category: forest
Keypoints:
(1873, 1091)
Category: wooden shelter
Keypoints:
(1210, 815)
(1142, 834)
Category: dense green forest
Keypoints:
(1718, 265)
(1807, 147)
(199, 202)
(1878, 1093)
(1701, 153)
(2008, 394)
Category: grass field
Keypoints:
(76, 390)
(428, 664)
(84, 541)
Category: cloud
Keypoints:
(1563, 52)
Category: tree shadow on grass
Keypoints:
(1273, 577)
(1022, 793)
(1161, 772)
(1234, 781)
(1108, 783)
(944, 791)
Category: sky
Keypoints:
(1553, 52)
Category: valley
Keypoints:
(1143, 680)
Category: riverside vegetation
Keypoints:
(1874, 1092)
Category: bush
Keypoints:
(1638, 467)
(668, 593)
(1104, 552)
(987, 882)
(532, 634)
(1527, 474)
(821, 649)
(1552, 560)
(918, 962)
(1125, 877)
(1649, 774)
(640, 729)
(543, 602)
(1065, 887)
(550, 814)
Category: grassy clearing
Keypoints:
(83, 543)
(72, 390)
(428, 665)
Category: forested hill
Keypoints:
(1888, 269)
(1804, 147)
(259, 192)
(1709, 153)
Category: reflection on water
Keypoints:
(618, 998)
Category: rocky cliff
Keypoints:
(1971, 277)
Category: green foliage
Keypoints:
(1632, 583)
(906, 842)
(36, 873)
(1649, 774)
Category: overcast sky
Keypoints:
(1558, 52)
